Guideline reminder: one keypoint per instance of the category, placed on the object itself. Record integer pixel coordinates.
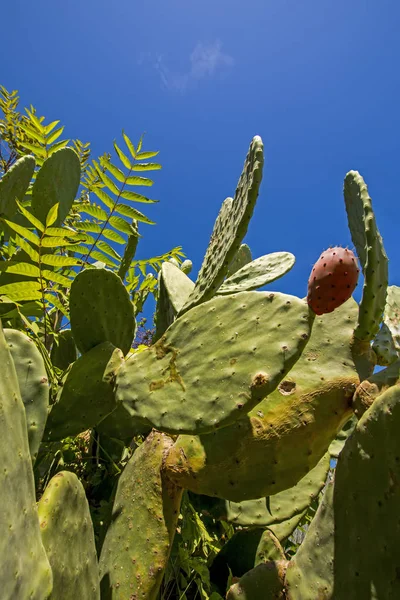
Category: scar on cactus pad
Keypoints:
(333, 279)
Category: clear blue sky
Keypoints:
(319, 80)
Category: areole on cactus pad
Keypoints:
(333, 279)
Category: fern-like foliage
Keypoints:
(38, 261)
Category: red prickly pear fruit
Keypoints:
(332, 281)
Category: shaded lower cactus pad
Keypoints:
(33, 384)
(230, 228)
(145, 513)
(25, 571)
(87, 395)
(285, 435)
(265, 512)
(68, 537)
(63, 352)
(245, 549)
(101, 311)
(258, 273)
(264, 582)
(351, 550)
(256, 337)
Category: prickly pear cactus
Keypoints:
(229, 229)
(101, 311)
(33, 385)
(174, 288)
(372, 255)
(246, 549)
(256, 339)
(86, 396)
(145, 514)
(14, 184)
(241, 258)
(340, 557)
(264, 582)
(63, 352)
(286, 435)
(68, 537)
(258, 273)
(285, 508)
(386, 344)
(25, 571)
(57, 182)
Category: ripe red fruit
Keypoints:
(333, 279)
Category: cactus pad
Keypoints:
(351, 549)
(57, 181)
(87, 396)
(374, 262)
(63, 352)
(241, 258)
(264, 582)
(33, 384)
(259, 272)
(177, 284)
(14, 184)
(244, 550)
(286, 435)
(230, 228)
(145, 514)
(101, 311)
(25, 572)
(256, 339)
(68, 537)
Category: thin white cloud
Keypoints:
(205, 61)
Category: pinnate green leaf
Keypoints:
(22, 290)
(56, 260)
(23, 232)
(52, 216)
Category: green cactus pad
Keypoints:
(243, 551)
(187, 266)
(14, 184)
(177, 284)
(338, 443)
(265, 512)
(351, 550)
(87, 395)
(121, 426)
(68, 537)
(33, 384)
(383, 345)
(230, 228)
(374, 386)
(386, 344)
(241, 258)
(264, 582)
(57, 181)
(372, 255)
(286, 435)
(63, 352)
(259, 272)
(25, 572)
(256, 338)
(101, 311)
(145, 514)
